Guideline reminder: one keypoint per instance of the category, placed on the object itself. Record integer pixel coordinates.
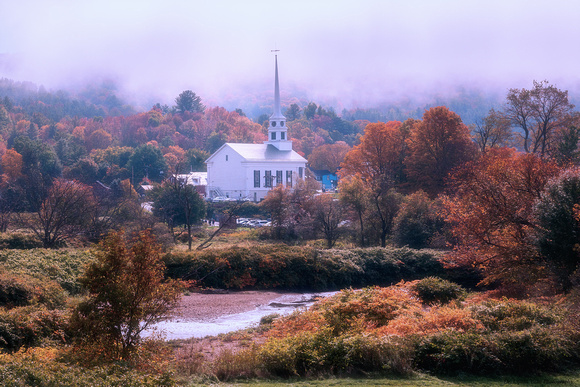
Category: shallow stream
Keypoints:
(186, 328)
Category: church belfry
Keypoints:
(277, 130)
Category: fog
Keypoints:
(345, 53)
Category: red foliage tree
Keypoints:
(491, 215)
(436, 145)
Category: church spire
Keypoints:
(277, 130)
(277, 108)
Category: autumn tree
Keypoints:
(329, 156)
(127, 294)
(493, 131)
(375, 161)
(64, 213)
(276, 203)
(491, 215)
(538, 114)
(328, 213)
(437, 145)
(11, 166)
(354, 195)
(376, 157)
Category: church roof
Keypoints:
(261, 152)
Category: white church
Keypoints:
(250, 171)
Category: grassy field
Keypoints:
(417, 381)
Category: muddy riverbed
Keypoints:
(209, 314)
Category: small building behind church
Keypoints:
(250, 171)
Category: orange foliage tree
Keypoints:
(11, 166)
(491, 215)
(329, 156)
(436, 145)
(127, 294)
(376, 161)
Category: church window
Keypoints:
(256, 179)
(226, 157)
(301, 172)
(273, 123)
(281, 123)
(282, 135)
(273, 135)
(289, 178)
(268, 179)
(278, 177)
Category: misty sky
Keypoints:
(358, 52)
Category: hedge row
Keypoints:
(304, 268)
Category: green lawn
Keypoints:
(418, 381)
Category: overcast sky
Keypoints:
(356, 51)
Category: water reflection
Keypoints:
(185, 328)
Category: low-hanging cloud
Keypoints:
(359, 53)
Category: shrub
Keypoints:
(433, 290)
(38, 367)
(19, 241)
(22, 290)
(431, 321)
(31, 326)
(513, 315)
(234, 365)
(321, 353)
(269, 319)
(451, 352)
(374, 306)
(514, 352)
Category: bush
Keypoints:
(38, 368)
(22, 290)
(433, 290)
(451, 352)
(320, 353)
(31, 326)
(513, 315)
(516, 352)
(352, 310)
(234, 365)
(19, 241)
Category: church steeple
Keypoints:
(277, 130)
(277, 108)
